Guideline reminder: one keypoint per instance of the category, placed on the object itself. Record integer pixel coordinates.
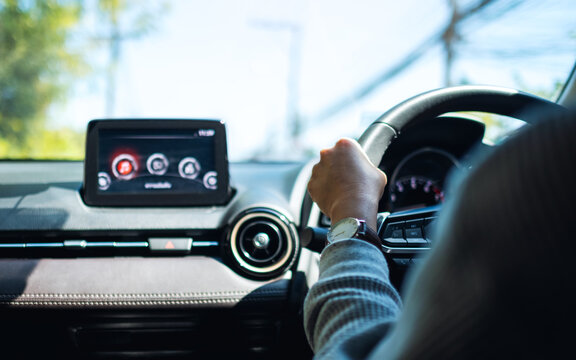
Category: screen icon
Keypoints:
(124, 166)
(104, 181)
(189, 168)
(211, 180)
(157, 164)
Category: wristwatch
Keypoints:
(353, 228)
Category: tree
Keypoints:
(34, 69)
(39, 63)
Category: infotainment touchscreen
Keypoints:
(160, 162)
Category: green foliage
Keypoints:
(61, 143)
(39, 64)
(498, 127)
(34, 66)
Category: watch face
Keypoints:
(343, 229)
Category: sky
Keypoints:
(254, 63)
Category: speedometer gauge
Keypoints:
(416, 192)
(418, 180)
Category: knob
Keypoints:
(261, 241)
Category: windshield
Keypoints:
(287, 77)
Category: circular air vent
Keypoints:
(262, 243)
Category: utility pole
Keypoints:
(111, 13)
(449, 38)
(292, 128)
(448, 35)
(114, 39)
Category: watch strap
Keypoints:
(366, 233)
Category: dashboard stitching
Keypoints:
(132, 303)
(29, 297)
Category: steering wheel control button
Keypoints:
(394, 234)
(429, 224)
(189, 168)
(124, 166)
(414, 234)
(157, 164)
(170, 245)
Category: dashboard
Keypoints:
(137, 274)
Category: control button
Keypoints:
(189, 168)
(413, 228)
(414, 235)
(429, 225)
(394, 234)
(104, 181)
(124, 166)
(157, 164)
(211, 180)
(75, 244)
(181, 245)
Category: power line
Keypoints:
(407, 61)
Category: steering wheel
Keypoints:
(378, 136)
(497, 100)
(427, 106)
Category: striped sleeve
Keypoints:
(353, 305)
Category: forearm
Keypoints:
(353, 305)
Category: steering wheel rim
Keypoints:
(429, 105)
(426, 106)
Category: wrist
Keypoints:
(353, 228)
(358, 208)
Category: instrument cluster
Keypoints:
(418, 180)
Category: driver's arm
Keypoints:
(353, 305)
